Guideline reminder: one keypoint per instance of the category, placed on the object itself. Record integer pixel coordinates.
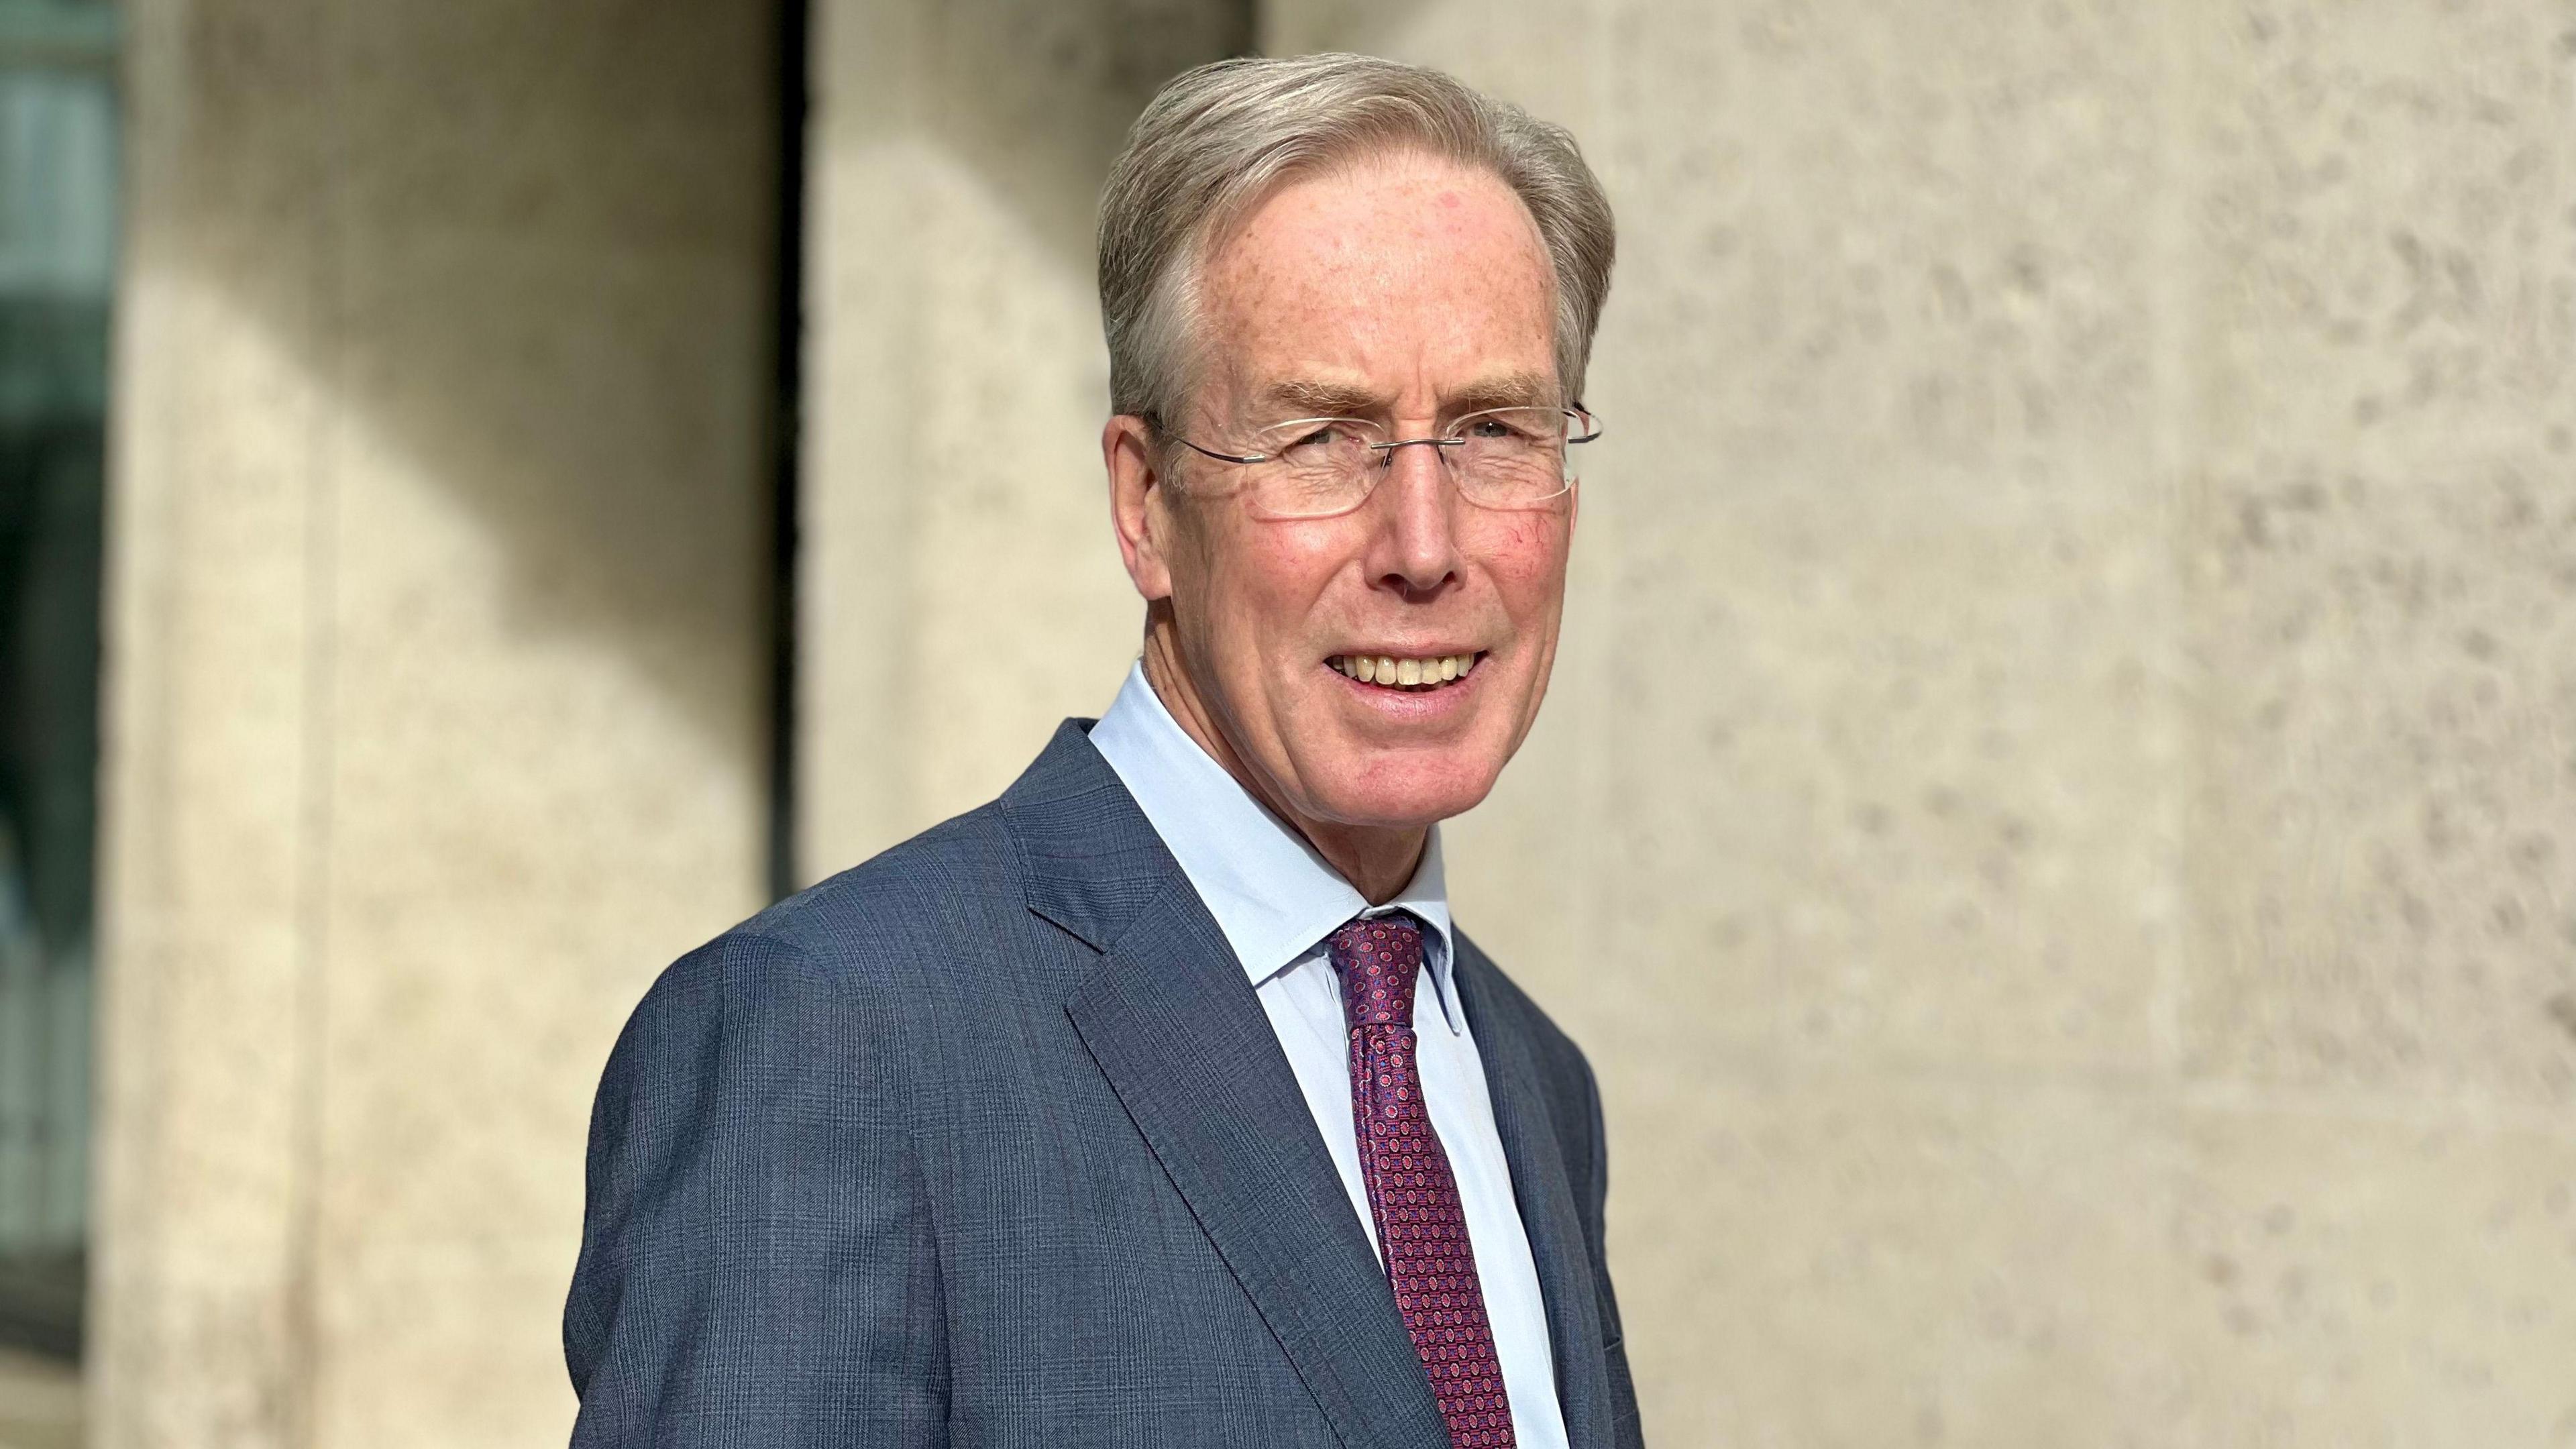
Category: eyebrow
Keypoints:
(1308, 398)
(1510, 390)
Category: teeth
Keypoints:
(1404, 673)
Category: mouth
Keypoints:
(1407, 674)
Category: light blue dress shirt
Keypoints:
(1277, 901)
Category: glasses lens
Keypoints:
(1318, 467)
(1512, 457)
(1501, 458)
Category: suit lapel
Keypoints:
(1173, 1023)
(1176, 1029)
(1547, 1204)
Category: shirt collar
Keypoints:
(1272, 895)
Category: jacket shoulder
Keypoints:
(905, 919)
(942, 886)
(1503, 999)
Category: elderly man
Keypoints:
(1159, 1102)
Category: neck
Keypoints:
(1378, 860)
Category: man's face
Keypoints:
(1408, 291)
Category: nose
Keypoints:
(1415, 547)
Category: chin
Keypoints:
(1404, 790)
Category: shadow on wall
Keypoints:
(1036, 95)
(521, 255)
(530, 253)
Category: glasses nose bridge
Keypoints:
(1445, 469)
(1386, 451)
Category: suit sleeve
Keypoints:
(1623, 1388)
(757, 1265)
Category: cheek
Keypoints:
(1206, 591)
(1525, 555)
(1254, 586)
(1289, 566)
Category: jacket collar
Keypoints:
(1544, 1187)
(1092, 860)
(1169, 1016)
(1271, 893)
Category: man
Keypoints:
(1158, 1102)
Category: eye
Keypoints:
(1318, 442)
(1514, 426)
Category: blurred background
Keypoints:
(2056, 824)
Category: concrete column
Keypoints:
(437, 706)
(959, 589)
(2053, 817)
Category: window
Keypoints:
(58, 136)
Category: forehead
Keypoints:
(1392, 274)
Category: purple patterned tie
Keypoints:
(1411, 1194)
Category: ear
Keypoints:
(1139, 504)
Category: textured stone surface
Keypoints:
(2382, 540)
(439, 706)
(445, 1340)
(2384, 1279)
(2384, 224)
(1923, 811)
(2386, 854)
(203, 1064)
(1895, 1258)
(955, 391)
(1825, 1257)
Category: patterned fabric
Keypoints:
(786, 1235)
(1421, 1227)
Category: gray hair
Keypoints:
(1219, 138)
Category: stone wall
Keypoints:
(437, 702)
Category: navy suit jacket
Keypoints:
(989, 1142)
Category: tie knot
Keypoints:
(1378, 959)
